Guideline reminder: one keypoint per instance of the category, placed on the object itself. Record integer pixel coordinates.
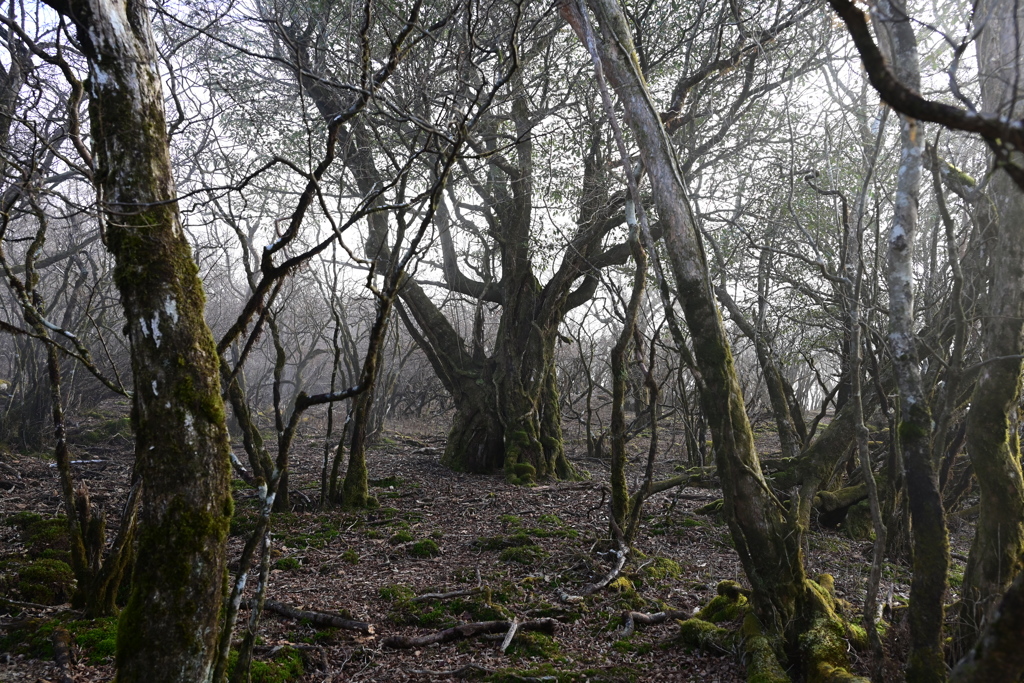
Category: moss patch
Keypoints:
(425, 548)
(286, 666)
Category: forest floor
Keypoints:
(434, 532)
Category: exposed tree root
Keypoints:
(631, 619)
(818, 644)
(319, 618)
(471, 630)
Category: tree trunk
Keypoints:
(770, 555)
(992, 441)
(927, 517)
(168, 631)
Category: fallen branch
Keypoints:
(319, 618)
(510, 635)
(467, 631)
(8, 603)
(61, 641)
(447, 596)
(631, 619)
(589, 589)
(470, 670)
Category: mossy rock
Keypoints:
(857, 524)
(350, 556)
(712, 508)
(98, 639)
(42, 535)
(46, 581)
(119, 426)
(622, 585)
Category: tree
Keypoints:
(787, 603)
(168, 631)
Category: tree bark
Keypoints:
(168, 631)
(992, 441)
(770, 555)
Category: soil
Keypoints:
(361, 564)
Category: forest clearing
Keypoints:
(507, 551)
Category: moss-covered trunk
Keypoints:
(927, 516)
(168, 631)
(507, 416)
(992, 423)
(769, 553)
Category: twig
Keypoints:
(467, 631)
(320, 618)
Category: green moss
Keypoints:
(910, 431)
(511, 520)
(712, 508)
(121, 426)
(243, 522)
(425, 548)
(858, 524)
(526, 554)
(350, 556)
(528, 644)
(521, 473)
(516, 540)
(627, 646)
(622, 585)
(722, 608)
(762, 663)
(662, 568)
(98, 639)
(284, 667)
(41, 534)
(47, 582)
(287, 564)
(396, 593)
(706, 636)
(400, 537)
